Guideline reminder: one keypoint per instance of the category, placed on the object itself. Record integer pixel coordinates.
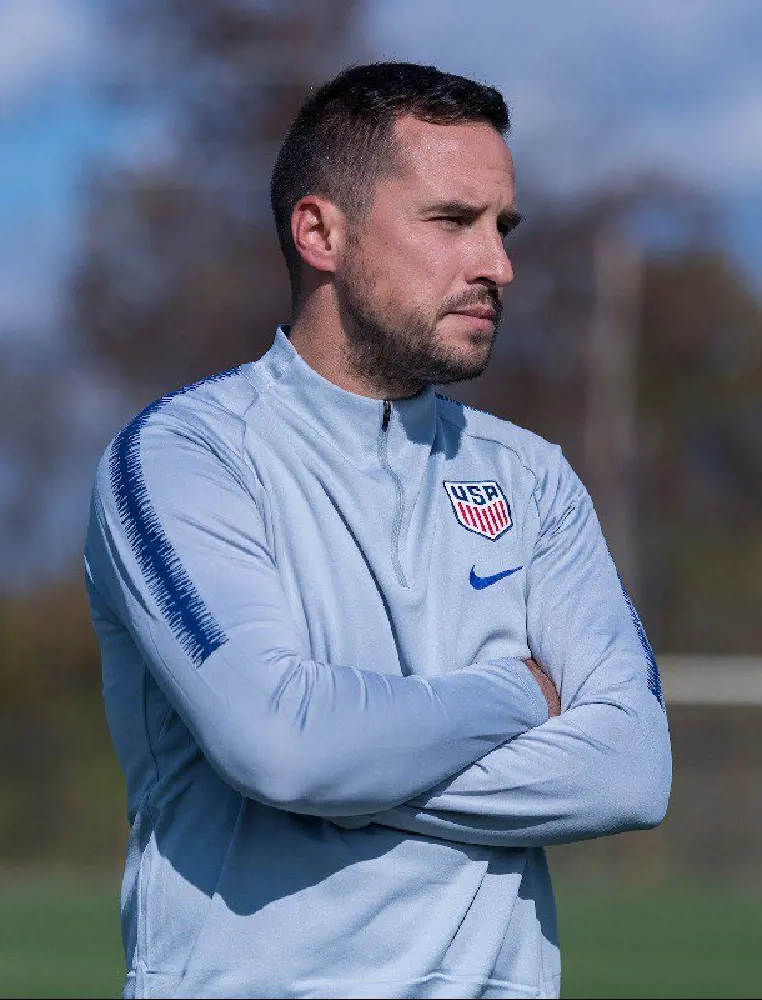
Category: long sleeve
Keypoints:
(177, 551)
(603, 765)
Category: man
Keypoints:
(335, 608)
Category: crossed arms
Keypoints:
(203, 603)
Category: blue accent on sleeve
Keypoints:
(188, 617)
(653, 679)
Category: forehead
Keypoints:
(469, 160)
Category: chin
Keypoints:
(477, 348)
(477, 358)
(462, 367)
(472, 347)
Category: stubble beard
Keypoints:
(400, 354)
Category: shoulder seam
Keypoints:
(486, 437)
(244, 425)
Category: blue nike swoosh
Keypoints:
(480, 582)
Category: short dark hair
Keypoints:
(341, 139)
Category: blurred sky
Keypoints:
(597, 90)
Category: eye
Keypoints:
(452, 221)
(506, 228)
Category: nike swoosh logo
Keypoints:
(480, 582)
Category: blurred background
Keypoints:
(137, 253)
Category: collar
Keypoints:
(352, 423)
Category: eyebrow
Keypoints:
(508, 217)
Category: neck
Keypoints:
(318, 335)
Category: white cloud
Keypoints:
(597, 87)
(40, 40)
(719, 145)
(488, 34)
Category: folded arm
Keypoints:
(177, 554)
(603, 765)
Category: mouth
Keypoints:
(478, 312)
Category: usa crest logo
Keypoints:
(480, 507)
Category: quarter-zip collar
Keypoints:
(351, 422)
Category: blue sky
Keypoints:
(598, 91)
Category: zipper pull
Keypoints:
(387, 415)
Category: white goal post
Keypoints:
(700, 679)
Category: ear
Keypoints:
(317, 229)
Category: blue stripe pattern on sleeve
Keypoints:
(188, 617)
(653, 679)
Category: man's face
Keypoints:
(420, 280)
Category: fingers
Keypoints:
(547, 687)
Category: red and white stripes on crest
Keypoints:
(489, 520)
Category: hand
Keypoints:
(547, 687)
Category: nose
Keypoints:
(506, 268)
(492, 263)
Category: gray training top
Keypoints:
(312, 609)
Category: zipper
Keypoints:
(387, 416)
(383, 457)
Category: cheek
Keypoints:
(414, 269)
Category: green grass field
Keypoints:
(59, 937)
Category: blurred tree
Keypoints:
(61, 796)
(701, 459)
(29, 452)
(694, 467)
(181, 274)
